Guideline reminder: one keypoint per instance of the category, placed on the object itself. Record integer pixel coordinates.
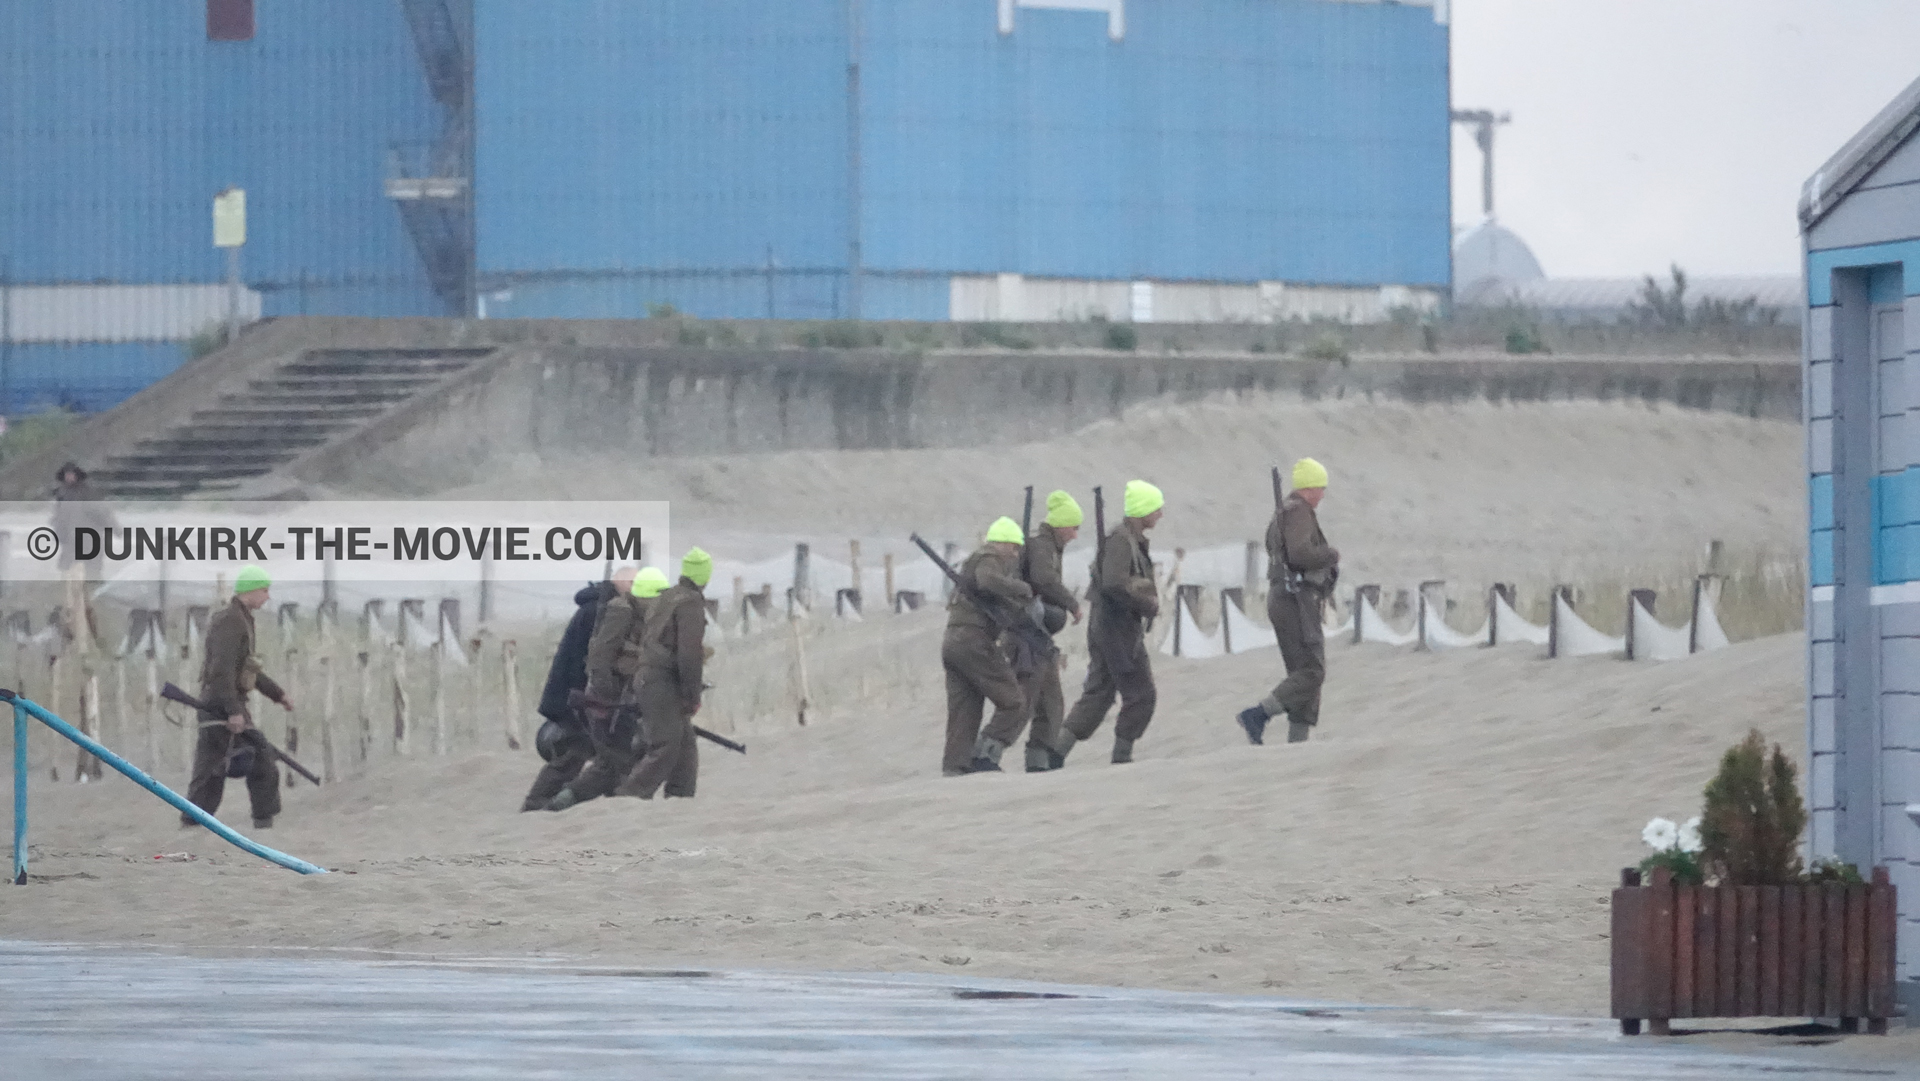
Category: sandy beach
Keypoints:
(1447, 839)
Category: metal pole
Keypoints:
(6, 335)
(233, 293)
(139, 777)
(854, 254)
(19, 796)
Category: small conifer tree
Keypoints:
(1750, 828)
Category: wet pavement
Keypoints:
(84, 1013)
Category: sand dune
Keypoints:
(1472, 493)
(1449, 840)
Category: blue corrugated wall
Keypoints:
(665, 151)
(119, 121)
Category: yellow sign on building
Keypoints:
(230, 218)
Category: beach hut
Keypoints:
(1860, 224)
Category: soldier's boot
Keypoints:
(1057, 754)
(1122, 751)
(1041, 759)
(950, 772)
(1297, 732)
(986, 755)
(1254, 721)
(531, 804)
(563, 799)
(263, 823)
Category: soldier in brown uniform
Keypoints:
(1040, 682)
(1301, 569)
(228, 739)
(1124, 600)
(671, 665)
(613, 660)
(971, 653)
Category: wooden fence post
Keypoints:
(402, 722)
(363, 727)
(329, 771)
(56, 701)
(86, 767)
(510, 672)
(436, 693)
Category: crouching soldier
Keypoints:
(613, 658)
(563, 740)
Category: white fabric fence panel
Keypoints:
(1577, 637)
(1654, 640)
(1509, 628)
(1191, 642)
(1242, 633)
(1708, 635)
(1441, 636)
(1374, 627)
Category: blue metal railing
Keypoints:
(23, 708)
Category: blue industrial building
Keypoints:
(907, 159)
(1860, 219)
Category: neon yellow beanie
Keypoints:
(697, 567)
(1143, 499)
(252, 576)
(1005, 531)
(650, 582)
(1063, 512)
(1308, 473)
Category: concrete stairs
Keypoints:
(312, 400)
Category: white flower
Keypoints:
(1689, 839)
(1660, 834)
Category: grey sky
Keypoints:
(1647, 132)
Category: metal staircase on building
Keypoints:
(298, 407)
(432, 185)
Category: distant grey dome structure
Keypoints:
(1489, 259)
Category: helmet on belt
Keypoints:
(240, 760)
(1055, 619)
(547, 741)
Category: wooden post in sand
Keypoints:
(800, 663)
(120, 710)
(802, 593)
(363, 726)
(402, 722)
(150, 710)
(887, 562)
(329, 770)
(56, 701)
(86, 767)
(510, 673)
(436, 693)
(853, 563)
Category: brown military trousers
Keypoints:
(209, 781)
(1131, 680)
(978, 672)
(671, 756)
(612, 742)
(1046, 708)
(1303, 649)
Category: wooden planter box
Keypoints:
(1752, 951)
